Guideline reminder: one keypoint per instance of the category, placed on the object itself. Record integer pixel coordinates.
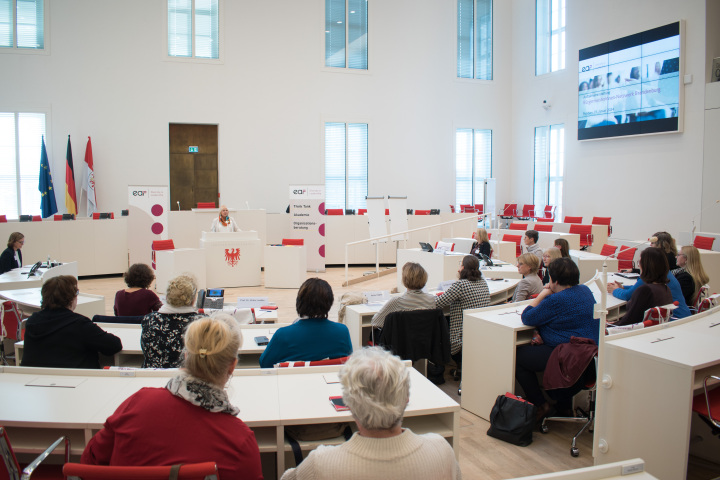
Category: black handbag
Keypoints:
(512, 420)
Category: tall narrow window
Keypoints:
(193, 28)
(346, 24)
(346, 165)
(22, 24)
(549, 160)
(474, 39)
(549, 36)
(20, 144)
(473, 164)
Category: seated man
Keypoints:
(530, 239)
(376, 388)
(312, 336)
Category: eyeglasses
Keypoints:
(520, 263)
(77, 293)
(680, 254)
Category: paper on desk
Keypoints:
(60, 382)
(377, 296)
(331, 378)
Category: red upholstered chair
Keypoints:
(479, 208)
(519, 226)
(603, 221)
(422, 212)
(508, 211)
(314, 363)
(608, 250)
(707, 303)
(452, 208)
(188, 471)
(625, 258)
(10, 468)
(37, 218)
(704, 243)
(569, 219)
(3, 219)
(528, 211)
(206, 205)
(546, 215)
(707, 404)
(387, 211)
(160, 245)
(362, 211)
(293, 241)
(57, 218)
(543, 228)
(585, 232)
(334, 211)
(660, 314)
(467, 208)
(514, 238)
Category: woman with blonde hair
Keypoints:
(224, 222)
(528, 265)
(482, 244)
(549, 254)
(162, 331)
(152, 426)
(690, 273)
(414, 278)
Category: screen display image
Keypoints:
(631, 86)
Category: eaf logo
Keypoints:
(299, 191)
(139, 193)
(232, 256)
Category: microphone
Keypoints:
(178, 202)
(486, 259)
(692, 231)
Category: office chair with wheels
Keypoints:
(625, 258)
(523, 227)
(35, 469)
(528, 212)
(707, 303)
(569, 219)
(662, 314)
(585, 232)
(704, 243)
(707, 404)
(608, 250)
(514, 238)
(603, 221)
(546, 215)
(189, 471)
(508, 211)
(452, 208)
(539, 227)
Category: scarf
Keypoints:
(170, 309)
(200, 393)
(222, 220)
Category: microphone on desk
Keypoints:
(487, 260)
(178, 202)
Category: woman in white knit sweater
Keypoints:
(376, 388)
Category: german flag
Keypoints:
(70, 195)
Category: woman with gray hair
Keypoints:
(376, 388)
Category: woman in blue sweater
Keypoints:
(563, 309)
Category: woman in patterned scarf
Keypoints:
(191, 419)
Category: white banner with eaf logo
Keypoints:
(148, 207)
(307, 214)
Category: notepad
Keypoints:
(58, 382)
(331, 378)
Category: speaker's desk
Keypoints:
(232, 259)
(358, 317)
(490, 336)
(19, 278)
(269, 400)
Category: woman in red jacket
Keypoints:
(191, 420)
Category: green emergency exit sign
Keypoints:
(193, 149)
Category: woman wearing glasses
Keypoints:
(528, 265)
(58, 337)
(12, 256)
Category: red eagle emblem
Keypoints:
(232, 256)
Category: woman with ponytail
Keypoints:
(191, 419)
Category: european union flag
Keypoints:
(47, 193)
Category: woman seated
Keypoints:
(482, 244)
(162, 331)
(470, 291)
(11, 257)
(528, 265)
(564, 247)
(654, 291)
(414, 278)
(376, 388)
(549, 254)
(137, 299)
(690, 273)
(224, 222)
(665, 242)
(58, 337)
(564, 309)
(191, 419)
(313, 336)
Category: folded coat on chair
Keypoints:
(417, 334)
(567, 362)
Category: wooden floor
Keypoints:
(481, 456)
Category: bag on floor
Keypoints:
(512, 420)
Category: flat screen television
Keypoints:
(632, 85)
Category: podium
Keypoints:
(232, 259)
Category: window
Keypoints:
(474, 39)
(549, 159)
(473, 164)
(20, 144)
(338, 14)
(550, 36)
(22, 24)
(193, 28)
(346, 165)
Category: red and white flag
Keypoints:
(88, 180)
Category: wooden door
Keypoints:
(193, 175)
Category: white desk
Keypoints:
(646, 412)
(588, 263)
(504, 251)
(611, 471)
(358, 317)
(490, 336)
(17, 278)
(599, 232)
(285, 266)
(29, 300)
(439, 267)
(232, 259)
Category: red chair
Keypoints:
(11, 328)
(362, 211)
(508, 211)
(37, 218)
(572, 219)
(3, 219)
(704, 243)
(57, 218)
(334, 211)
(206, 205)
(608, 250)
(161, 245)
(518, 226)
(547, 214)
(422, 212)
(625, 258)
(603, 221)
(188, 471)
(479, 208)
(467, 208)
(387, 211)
(98, 215)
(293, 241)
(707, 404)
(585, 232)
(452, 208)
(514, 238)
(528, 211)
(10, 468)
(543, 228)
(314, 363)
(661, 314)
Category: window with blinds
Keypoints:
(473, 164)
(549, 160)
(346, 165)
(22, 24)
(549, 36)
(20, 145)
(193, 28)
(475, 39)
(346, 25)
